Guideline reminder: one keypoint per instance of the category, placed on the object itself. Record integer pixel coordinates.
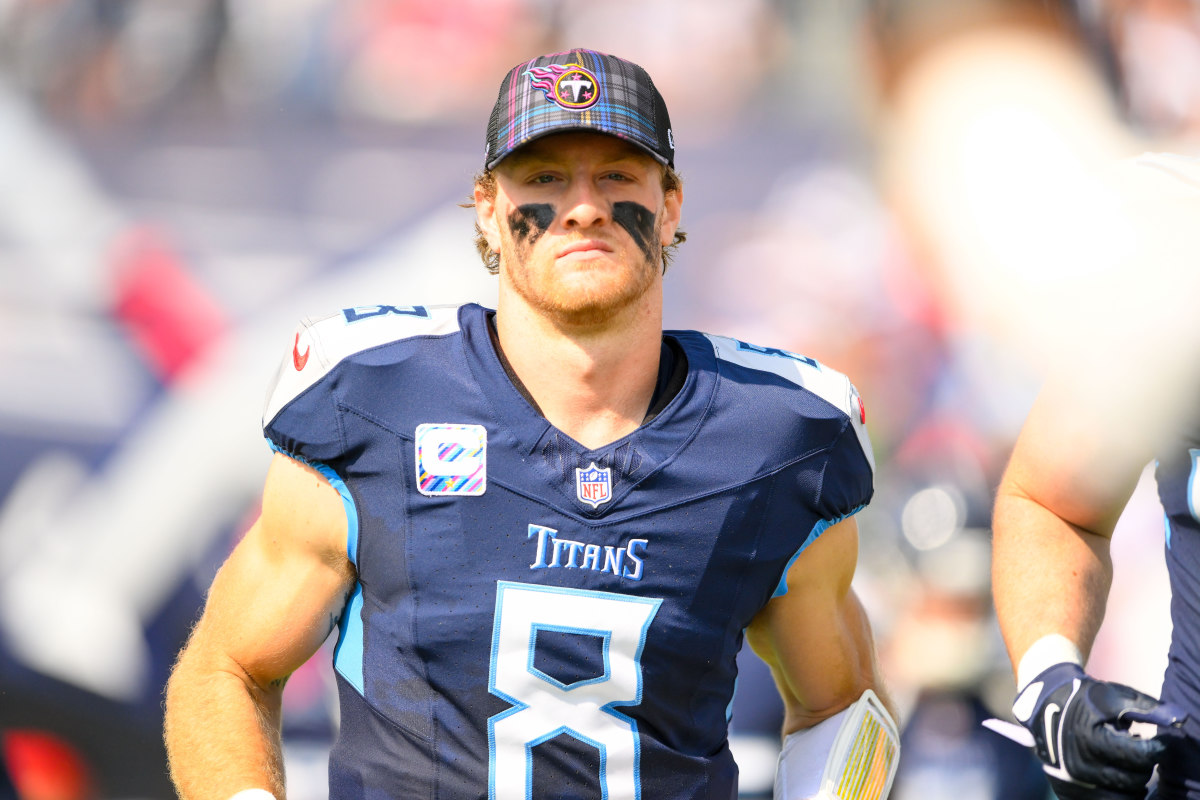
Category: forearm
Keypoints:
(222, 735)
(848, 667)
(1048, 575)
(867, 660)
(816, 637)
(829, 672)
(846, 703)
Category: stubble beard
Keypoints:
(575, 303)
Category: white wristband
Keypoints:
(253, 794)
(1051, 649)
(854, 753)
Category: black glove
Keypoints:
(1080, 727)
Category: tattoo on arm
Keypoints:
(336, 616)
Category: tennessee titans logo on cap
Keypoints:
(593, 485)
(568, 86)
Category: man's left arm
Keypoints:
(817, 640)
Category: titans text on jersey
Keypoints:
(530, 616)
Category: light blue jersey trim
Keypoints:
(344, 491)
(817, 530)
(348, 655)
(1193, 477)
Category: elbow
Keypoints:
(798, 718)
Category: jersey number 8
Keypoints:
(544, 707)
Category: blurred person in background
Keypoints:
(97, 61)
(481, 643)
(1080, 454)
(1010, 159)
(36, 765)
(944, 648)
(1149, 52)
(91, 294)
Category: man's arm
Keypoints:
(1070, 475)
(816, 638)
(1072, 471)
(271, 606)
(818, 643)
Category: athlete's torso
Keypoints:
(534, 619)
(1178, 479)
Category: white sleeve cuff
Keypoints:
(253, 794)
(1051, 649)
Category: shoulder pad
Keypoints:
(319, 344)
(830, 385)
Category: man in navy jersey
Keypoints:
(1076, 462)
(544, 531)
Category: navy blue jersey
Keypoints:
(533, 619)
(1179, 490)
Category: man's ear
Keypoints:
(672, 211)
(485, 214)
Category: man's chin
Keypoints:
(585, 297)
(588, 316)
(593, 309)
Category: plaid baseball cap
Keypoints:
(579, 90)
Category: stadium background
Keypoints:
(180, 182)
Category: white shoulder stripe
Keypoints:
(320, 344)
(828, 384)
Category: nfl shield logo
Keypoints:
(593, 485)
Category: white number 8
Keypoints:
(543, 707)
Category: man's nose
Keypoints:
(585, 205)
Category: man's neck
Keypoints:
(593, 383)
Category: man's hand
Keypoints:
(1081, 732)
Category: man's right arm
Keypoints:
(271, 606)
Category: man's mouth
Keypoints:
(585, 246)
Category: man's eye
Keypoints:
(543, 179)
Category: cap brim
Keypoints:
(568, 128)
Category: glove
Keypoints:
(1081, 733)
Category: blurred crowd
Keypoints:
(910, 191)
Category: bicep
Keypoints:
(816, 637)
(276, 599)
(1077, 458)
(1068, 479)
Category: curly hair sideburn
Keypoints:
(486, 181)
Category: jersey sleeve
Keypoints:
(847, 483)
(300, 417)
(847, 476)
(843, 483)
